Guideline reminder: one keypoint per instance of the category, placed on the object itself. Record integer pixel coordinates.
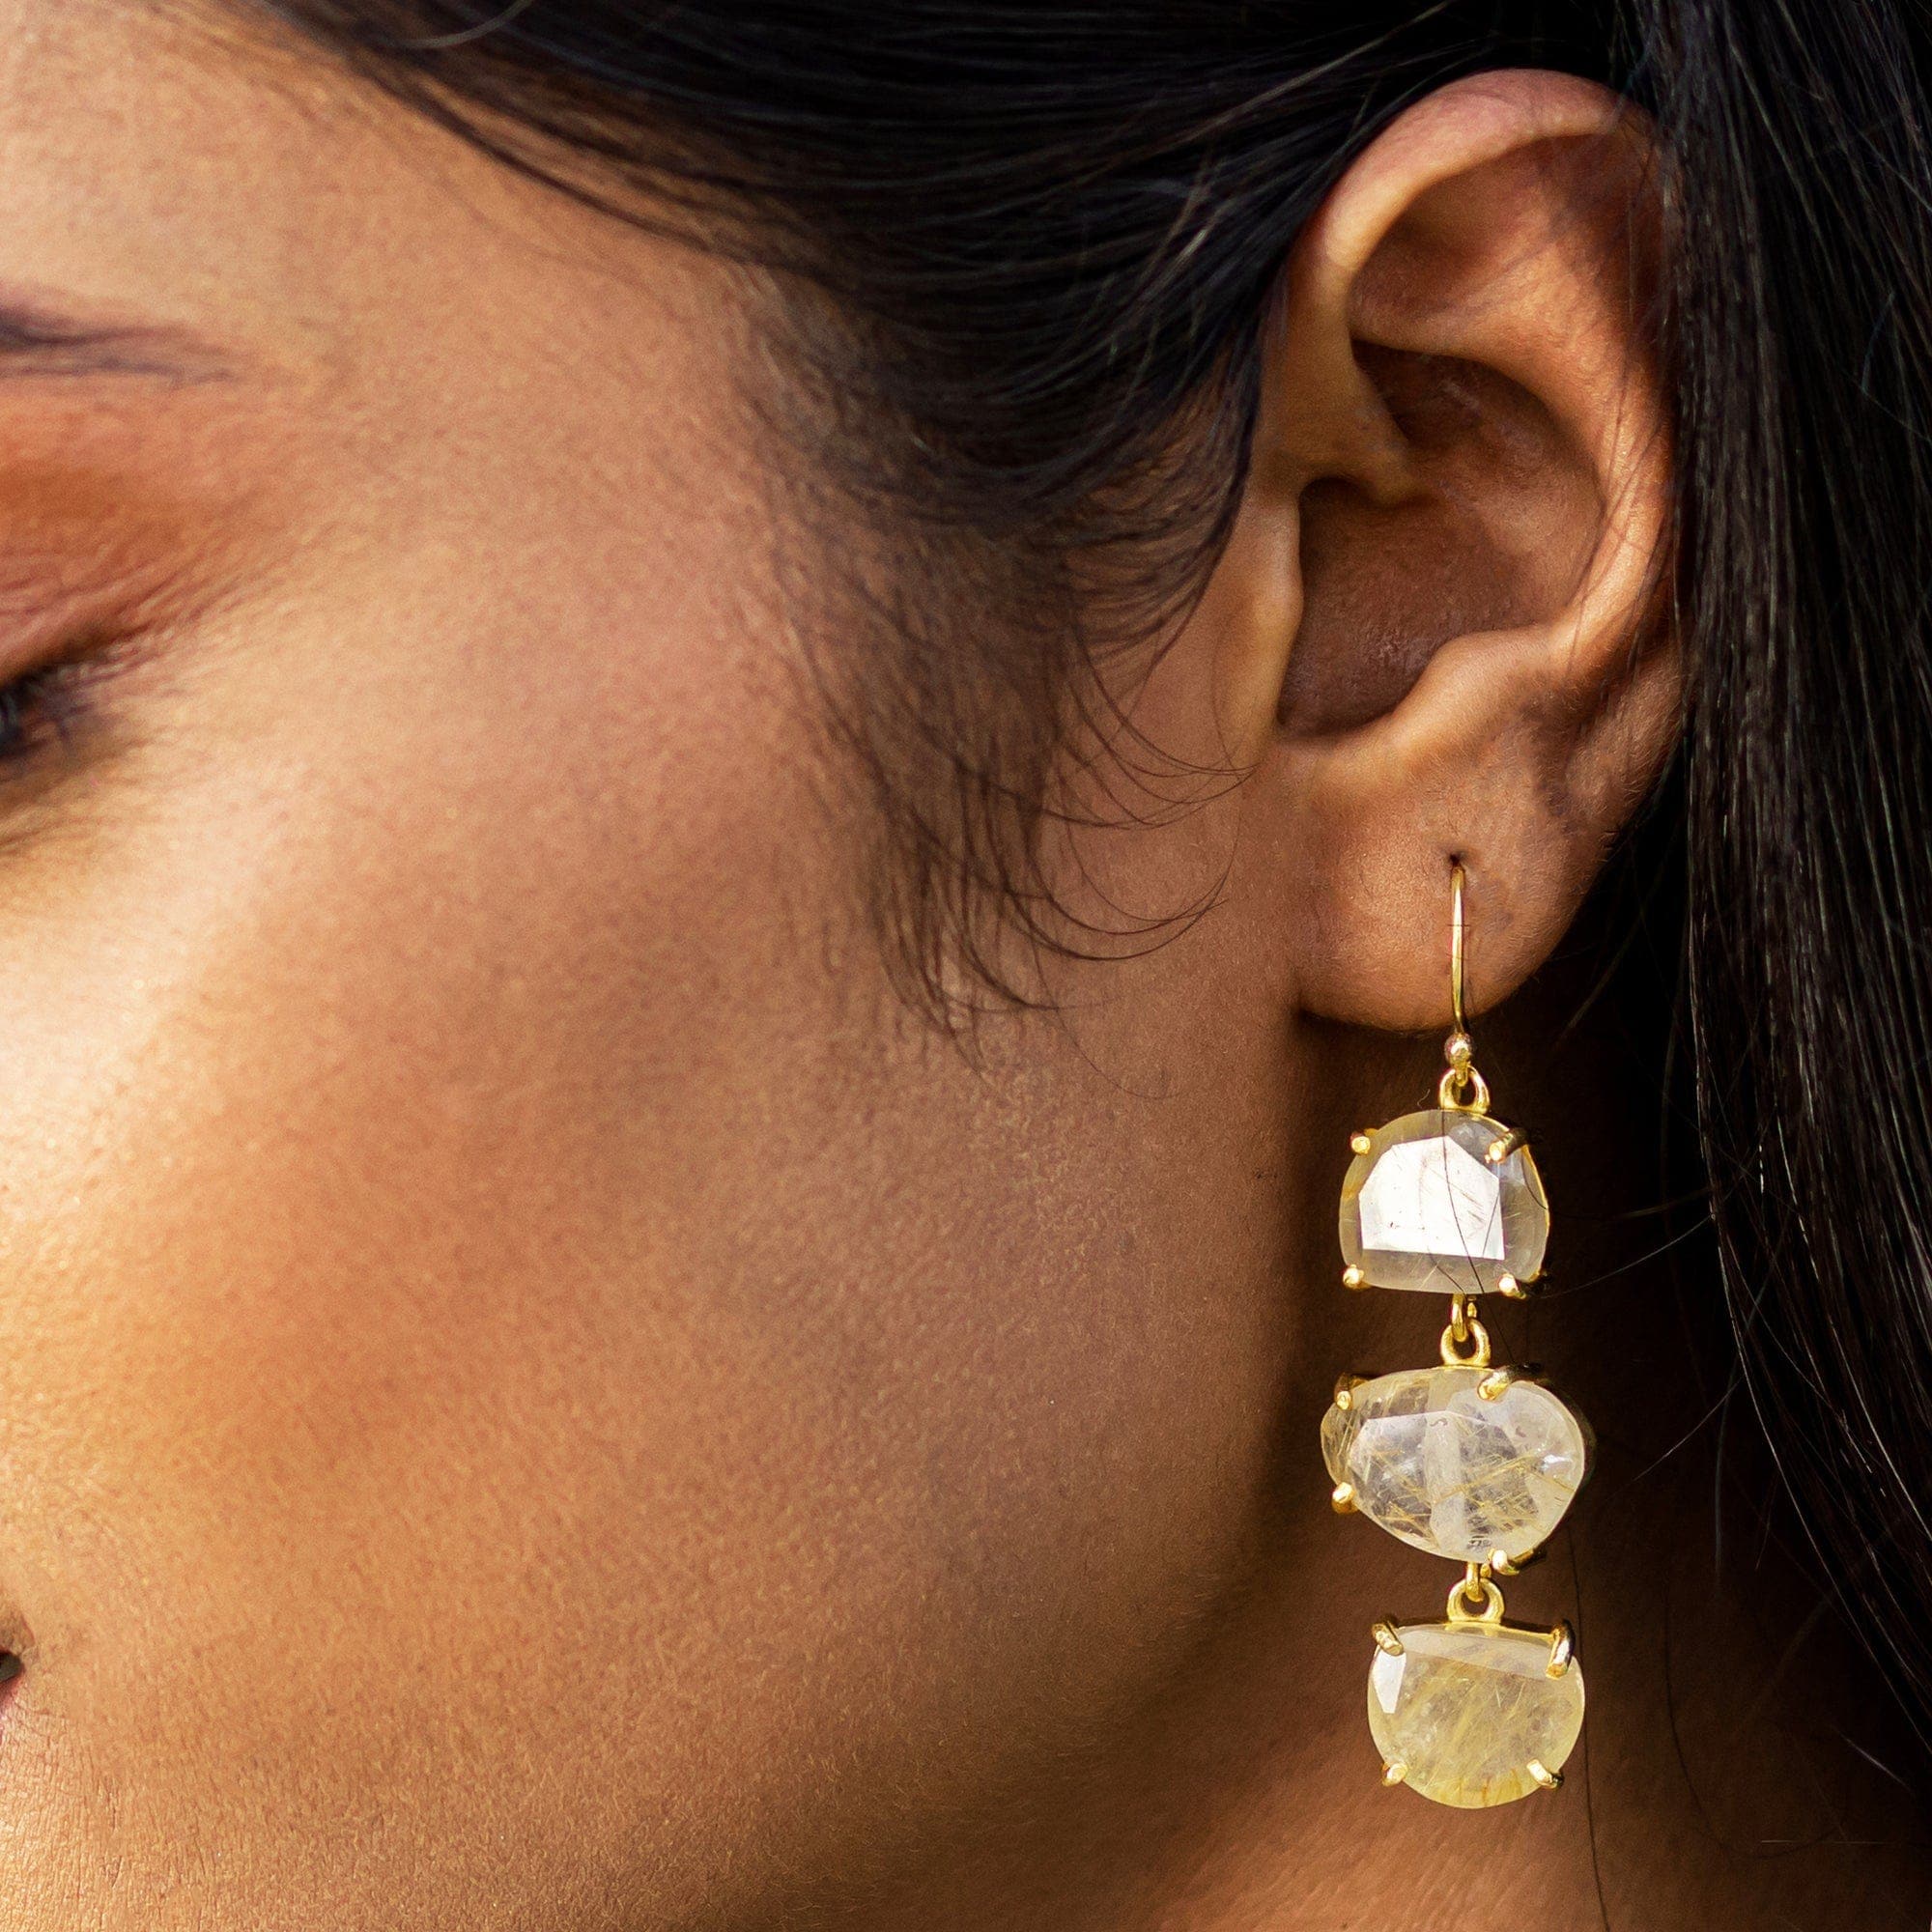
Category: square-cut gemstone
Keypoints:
(1428, 1205)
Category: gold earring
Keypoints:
(1468, 1459)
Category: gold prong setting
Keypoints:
(1468, 1705)
(1422, 1210)
(1562, 1650)
(1458, 1460)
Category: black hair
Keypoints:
(1027, 247)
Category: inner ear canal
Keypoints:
(1498, 534)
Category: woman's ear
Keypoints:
(1438, 630)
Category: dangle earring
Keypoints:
(1469, 1460)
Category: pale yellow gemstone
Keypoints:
(1427, 1208)
(1467, 1708)
(1452, 1471)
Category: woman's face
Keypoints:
(523, 1374)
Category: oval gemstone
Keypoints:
(1426, 1207)
(1443, 1466)
(1467, 1709)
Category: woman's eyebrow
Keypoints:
(37, 340)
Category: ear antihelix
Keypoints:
(1469, 1711)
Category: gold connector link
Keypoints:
(1465, 1331)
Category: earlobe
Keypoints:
(1463, 451)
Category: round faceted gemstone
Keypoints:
(1467, 1710)
(1452, 1470)
(1427, 1208)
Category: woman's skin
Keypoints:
(534, 1393)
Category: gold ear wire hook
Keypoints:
(1462, 1086)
